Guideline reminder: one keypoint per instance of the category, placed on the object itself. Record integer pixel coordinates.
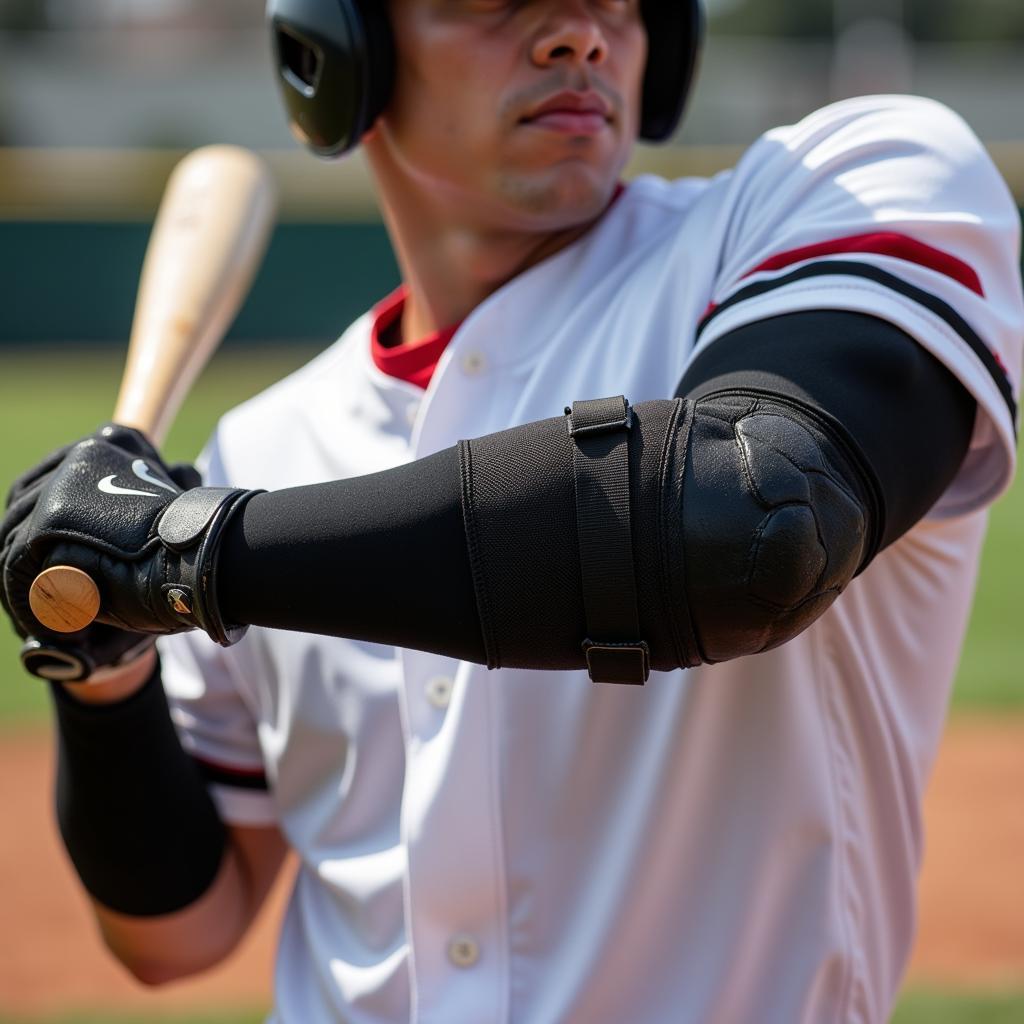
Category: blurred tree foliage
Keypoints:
(926, 20)
(975, 19)
(23, 15)
(810, 19)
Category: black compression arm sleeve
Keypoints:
(472, 552)
(908, 415)
(134, 812)
(380, 557)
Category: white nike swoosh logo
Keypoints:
(144, 473)
(107, 486)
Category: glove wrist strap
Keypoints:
(69, 663)
(193, 526)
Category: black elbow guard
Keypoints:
(737, 520)
(778, 515)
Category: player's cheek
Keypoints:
(631, 61)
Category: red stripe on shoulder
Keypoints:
(882, 243)
(229, 770)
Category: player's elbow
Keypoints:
(154, 974)
(155, 964)
(787, 580)
(162, 966)
(773, 532)
(161, 949)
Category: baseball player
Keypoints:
(607, 580)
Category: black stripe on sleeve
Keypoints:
(830, 268)
(236, 778)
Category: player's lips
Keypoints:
(575, 113)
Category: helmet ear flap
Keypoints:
(335, 63)
(380, 44)
(675, 33)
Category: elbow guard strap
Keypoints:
(748, 513)
(600, 465)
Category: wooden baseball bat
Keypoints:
(207, 242)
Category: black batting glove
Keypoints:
(74, 657)
(110, 507)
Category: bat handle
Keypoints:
(64, 599)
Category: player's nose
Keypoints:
(570, 35)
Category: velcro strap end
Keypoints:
(628, 664)
(599, 416)
(187, 518)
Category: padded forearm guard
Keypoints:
(677, 532)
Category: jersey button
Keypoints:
(463, 951)
(439, 692)
(473, 364)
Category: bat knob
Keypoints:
(64, 599)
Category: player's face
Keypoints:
(519, 110)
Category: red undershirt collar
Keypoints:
(413, 361)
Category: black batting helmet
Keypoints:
(336, 66)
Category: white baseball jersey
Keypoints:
(729, 844)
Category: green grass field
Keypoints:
(50, 396)
(939, 1008)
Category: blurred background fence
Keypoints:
(98, 98)
(177, 73)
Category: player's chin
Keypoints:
(554, 202)
(566, 191)
(597, 154)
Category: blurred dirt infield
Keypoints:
(972, 894)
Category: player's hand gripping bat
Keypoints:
(207, 243)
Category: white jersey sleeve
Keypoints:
(888, 206)
(205, 687)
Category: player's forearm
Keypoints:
(703, 528)
(172, 946)
(381, 557)
(133, 810)
(173, 891)
(160, 949)
(715, 559)
(752, 507)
